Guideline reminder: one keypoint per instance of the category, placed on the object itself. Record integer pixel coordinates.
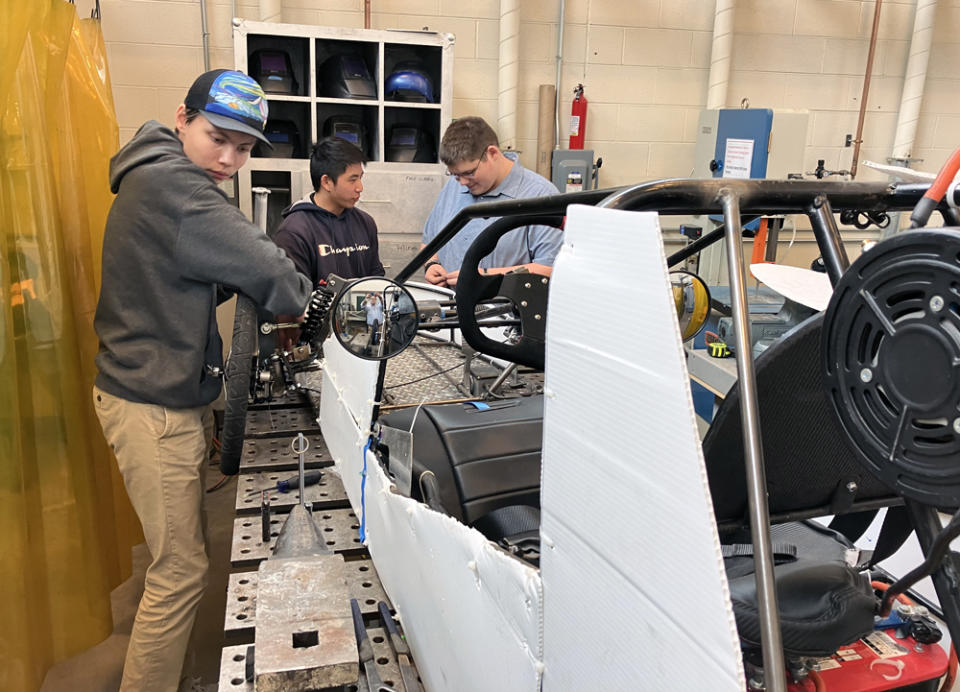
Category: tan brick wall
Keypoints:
(644, 65)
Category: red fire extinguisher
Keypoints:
(578, 118)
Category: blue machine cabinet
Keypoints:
(743, 135)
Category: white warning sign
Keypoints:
(737, 157)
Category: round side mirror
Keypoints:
(692, 299)
(375, 318)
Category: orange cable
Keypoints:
(883, 586)
(818, 684)
(951, 675)
(939, 187)
(760, 243)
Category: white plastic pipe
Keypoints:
(720, 54)
(914, 79)
(271, 10)
(509, 71)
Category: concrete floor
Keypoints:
(99, 668)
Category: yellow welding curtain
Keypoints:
(65, 525)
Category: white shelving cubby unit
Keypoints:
(399, 195)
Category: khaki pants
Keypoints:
(161, 453)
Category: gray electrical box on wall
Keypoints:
(573, 170)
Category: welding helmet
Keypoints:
(409, 81)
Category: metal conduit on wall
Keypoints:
(508, 73)
(205, 35)
(556, 106)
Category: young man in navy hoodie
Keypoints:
(172, 239)
(325, 233)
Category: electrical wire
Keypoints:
(952, 664)
(883, 586)
(939, 548)
(219, 484)
(818, 684)
(951, 675)
(427, 377)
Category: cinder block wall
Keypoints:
(644, 65)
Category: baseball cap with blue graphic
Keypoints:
(231, 101)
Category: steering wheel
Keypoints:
(237, 376)
(527, 291)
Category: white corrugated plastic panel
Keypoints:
(471, 613)
(635, 595)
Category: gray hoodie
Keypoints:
(171, 238)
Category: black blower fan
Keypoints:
(892, 357)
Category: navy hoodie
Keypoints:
(321, 243)
(171, 238)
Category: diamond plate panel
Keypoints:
(239, 618)
(274, 453)
(339, 526)
(280, 422)
(328, 493)
(417, 373)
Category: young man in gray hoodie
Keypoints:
(172, 242)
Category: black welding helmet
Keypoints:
(273, 72)
(345, 76)
(410, 144)
(346, 127)
(285, 138)
(409, 81)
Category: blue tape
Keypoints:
(363, 494)
(479, 405)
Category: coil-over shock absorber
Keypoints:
(316, 324)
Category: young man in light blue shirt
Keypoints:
(480, 172)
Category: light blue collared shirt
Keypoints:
(539, 244)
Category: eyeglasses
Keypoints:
(471, 173)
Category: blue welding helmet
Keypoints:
(409, 81)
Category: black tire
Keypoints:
(237, 374)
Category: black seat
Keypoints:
(485, 457)
(809, 464)
(811, 471)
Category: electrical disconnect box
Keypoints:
(750, 143)
(744, 143)
(573, 170)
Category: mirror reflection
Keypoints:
(375, 318)
(692, 300)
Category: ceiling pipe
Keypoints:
(720, 54)
(508, 73)
(866, 89)
(914, 81)
(556, 111)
